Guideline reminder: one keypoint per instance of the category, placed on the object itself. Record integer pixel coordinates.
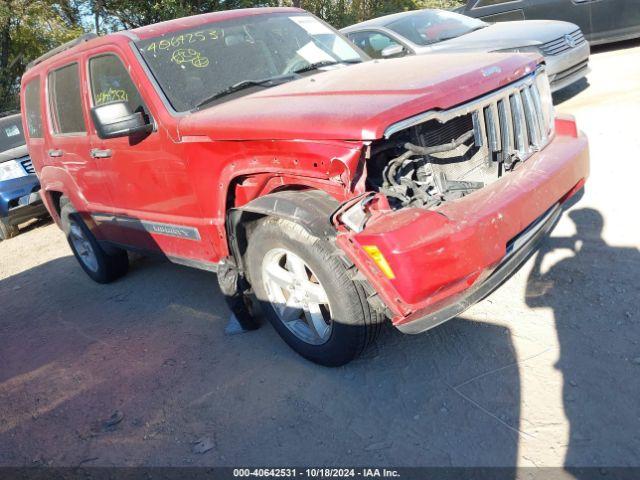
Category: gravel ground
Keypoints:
(545, 372)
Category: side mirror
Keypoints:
(116, 120)
(392, 51)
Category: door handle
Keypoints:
(97, 153)
(55, 153)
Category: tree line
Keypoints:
(29, 28)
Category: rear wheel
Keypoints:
(305, 290)
(7, 230)
(101, 266)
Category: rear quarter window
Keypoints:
(33, 108)
(65, 100)
(11, 135)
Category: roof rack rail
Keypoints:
(66, 46)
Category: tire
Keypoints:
(7, 230)
(351, 324)
(101, 266)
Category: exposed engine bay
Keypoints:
(431, 163)
(450, 154)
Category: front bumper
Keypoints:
(571, 75)
(20, 199)
(567, 67)
(526, 244)
(447, 259)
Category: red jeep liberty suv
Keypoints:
(327, 191)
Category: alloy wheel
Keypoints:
(83, 246)
(297, 296)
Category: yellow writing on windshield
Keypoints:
(189, 56)
(182, 40)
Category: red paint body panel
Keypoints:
(437, 254)
(358, 102)
(258, 168)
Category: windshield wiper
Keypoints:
(474, 29)
(450, 37)
(244, 84)
(324, 63)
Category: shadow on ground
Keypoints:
(150, 351)
(598, 332)
(616, 46)
(571, 91)
(151, 346)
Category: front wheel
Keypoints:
(306, 291)
(101, 266)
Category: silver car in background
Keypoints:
(417, 32)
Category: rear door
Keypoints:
(574, 11)
(68, 142)
(614, 19)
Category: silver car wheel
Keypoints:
(82, 246)
(297, 296)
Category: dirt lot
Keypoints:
(544, 372)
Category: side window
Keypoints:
(33, 110)
(373, 43)
(110, 82)
(65, 100)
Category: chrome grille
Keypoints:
(515, 123)
(564, 43)
(27, 164)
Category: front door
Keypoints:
(153, 196)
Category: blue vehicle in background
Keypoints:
(19, 186)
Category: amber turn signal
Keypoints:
(376, 255)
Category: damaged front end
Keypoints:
(442, 156)
(449, 192)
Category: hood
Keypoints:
(13, 153)
(357, 102)
(503, 35)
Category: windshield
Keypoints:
(195, 64)
(11, 135)
(426, 27)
